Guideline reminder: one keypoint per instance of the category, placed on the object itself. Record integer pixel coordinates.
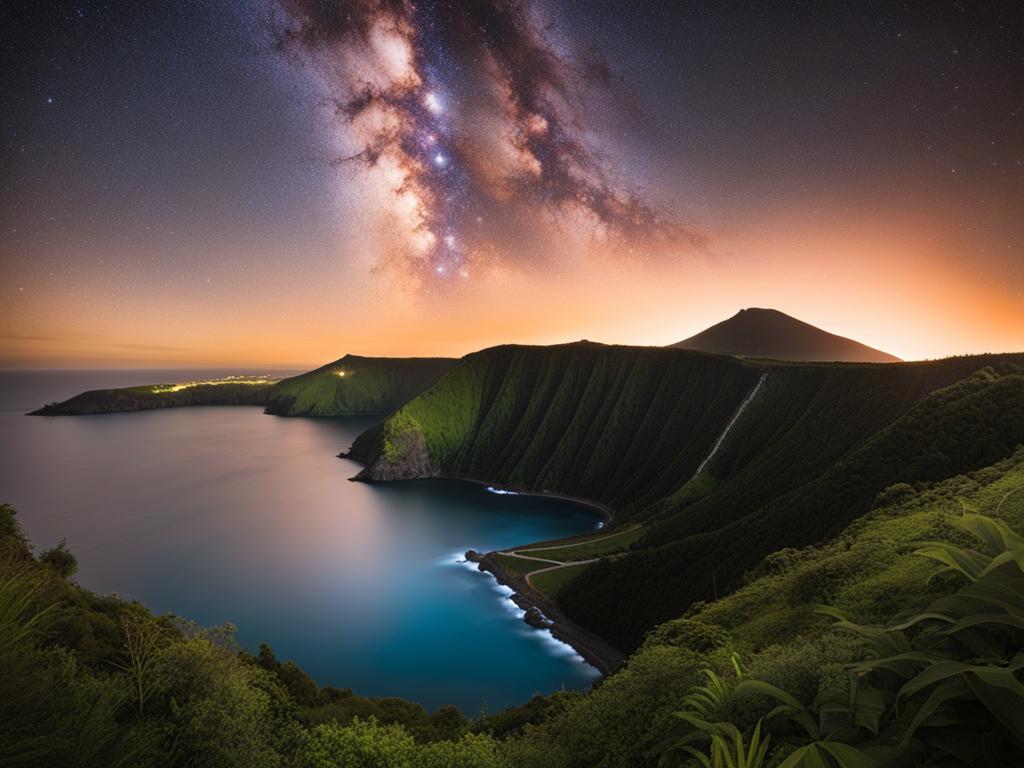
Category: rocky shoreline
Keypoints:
(543, 613)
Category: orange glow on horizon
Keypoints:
(899, 288)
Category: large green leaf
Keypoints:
(977, 619)
(843, 756)
(1002, 694)
(847, 756)
(997, 536)
(968, 562)
(918, 618)
(789, 706)
(936, 673)
(885, 642)
(943, 694)
(904, 665)
(20, 618)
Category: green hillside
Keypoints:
(351, 386)
(806, 454)
(835, 671)
(96, 680)
(233, 391)
(355, 386)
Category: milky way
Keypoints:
(470, 114)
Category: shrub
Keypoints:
(60, 559)
(697, 636)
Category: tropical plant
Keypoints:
(953, 670)
(942, 686)
(728, 747)
(20, 619)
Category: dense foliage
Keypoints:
(92, 680)
(89, 680)
(936, 687)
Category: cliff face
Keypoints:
(354, 386)
(611, 423)
(802, 449)
(403, 454)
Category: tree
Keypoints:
(60, 559)
(143, 639)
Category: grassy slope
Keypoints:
(519, 564)
(694, 551)
(629, 426)
(596, 546)
(145, 399)
(370, 385)
(551, 582)
(866, 570)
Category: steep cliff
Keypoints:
(724, 460)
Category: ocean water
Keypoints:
(224, 514)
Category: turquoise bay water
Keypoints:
(229, 515)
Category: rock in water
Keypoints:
(535, 618)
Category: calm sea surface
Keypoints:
(229, 515)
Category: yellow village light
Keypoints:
(251, 380)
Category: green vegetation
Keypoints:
(937, 687)
(351, 386)
(838, 485)
(354, 386)
(630, 427)
(97, 681)
(551, 582)
(520, 564)
(598, 546)
(151, 397)
(550, 576)
(912, 664)
(869, 573)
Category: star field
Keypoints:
(456, 174)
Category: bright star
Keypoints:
(440, 159)
(433, 103)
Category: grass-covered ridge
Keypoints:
(631, 427)
(351, 386)
(231, 390)
(354, 386)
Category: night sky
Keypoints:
(282, 182)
